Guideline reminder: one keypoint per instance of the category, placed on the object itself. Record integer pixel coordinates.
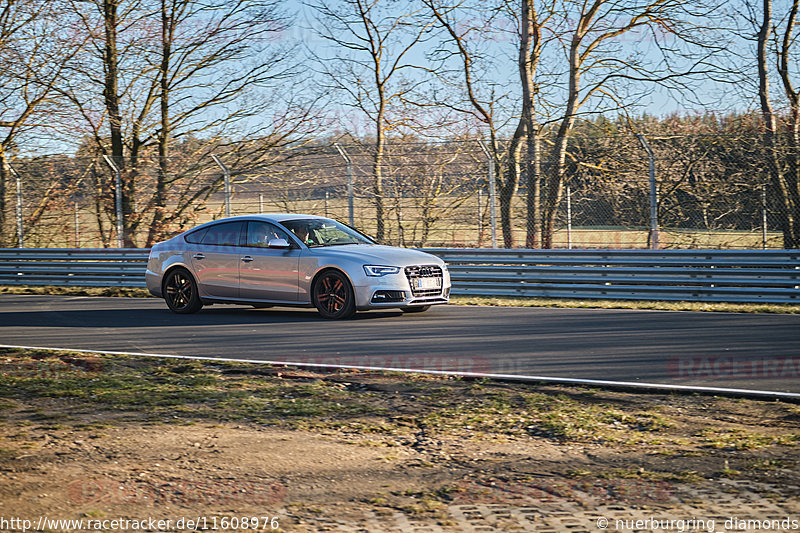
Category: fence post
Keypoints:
(492, 194)
(569, 217)
(77, 228)
(20, 226)
(480, 217)
(349, 163)
(764, 216)
(227, 176)
(400, 233)
(653, 192)
(19, 215)
(117, 200)
(260, 203)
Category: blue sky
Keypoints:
(706, 95)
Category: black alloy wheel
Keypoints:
(333, 296)
(180, 292)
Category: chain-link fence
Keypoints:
(710, 192)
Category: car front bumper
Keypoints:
(395, 290)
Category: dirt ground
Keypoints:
(122, 443)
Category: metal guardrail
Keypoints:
(771, 276)
(73, 267)
(748, 276)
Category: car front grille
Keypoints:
(425, 272)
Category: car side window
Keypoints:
(260, 233)
(225, 234)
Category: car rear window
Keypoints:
(225, 234)
(195, 237)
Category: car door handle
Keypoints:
(198, 256)
(247, 259)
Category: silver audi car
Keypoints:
(292, 260)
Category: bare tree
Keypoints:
(530, 54)
(370, 67)
(113, 93)
(596, 68)
(209, 58)
(34, 49)
(461, 45)
(788, 184)
(182, 69)
(773, 41)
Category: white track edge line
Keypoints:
(509, 377)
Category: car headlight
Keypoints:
(378, 270)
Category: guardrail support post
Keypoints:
(117, 200)
(349, 163)
(492, 194)
(227, 176)
(653, 192)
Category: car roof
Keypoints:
(280, 217)
(269, 217)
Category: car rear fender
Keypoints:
(172, 264)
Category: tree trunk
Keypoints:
(111, 87)
(555, 179)
(529, 50)
(98, 208)
(159, 200)
(112, 103)
(4, 235)
(534, 184)
(555, 189)
(778, 185)
(792, 176)
(508, 187)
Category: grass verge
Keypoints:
(625, 304)
(155, 389)
(128, 292)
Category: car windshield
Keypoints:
(317, 232)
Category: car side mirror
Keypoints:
(280, 244)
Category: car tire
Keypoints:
(333, 295)
(416, 309)
(180, 292)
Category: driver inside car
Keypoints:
(303, 234)
(260, 235)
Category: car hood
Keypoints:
(374, 254)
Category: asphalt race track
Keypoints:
(742, 351)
